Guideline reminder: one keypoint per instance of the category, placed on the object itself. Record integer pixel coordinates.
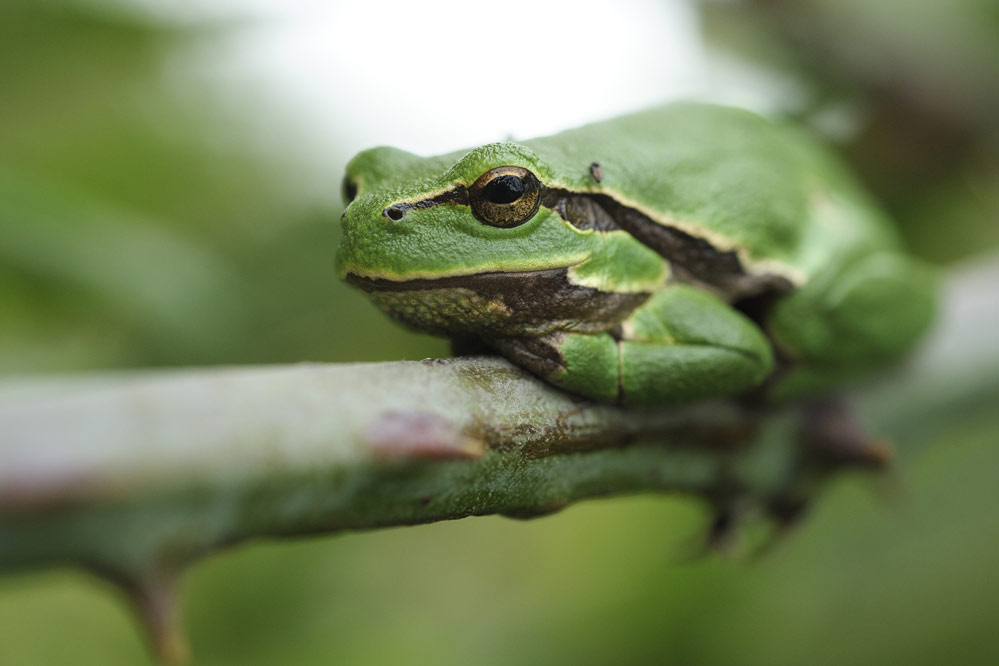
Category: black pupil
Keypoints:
(504, 189)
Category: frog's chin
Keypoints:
(499, 304)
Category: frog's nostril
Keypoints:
(394, 213)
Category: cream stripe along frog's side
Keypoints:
(676, 254)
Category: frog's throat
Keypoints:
(497, 303)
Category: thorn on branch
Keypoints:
(154, 597)
(832, 435)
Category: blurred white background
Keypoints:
(440, 75)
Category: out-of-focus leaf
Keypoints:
(155, 280)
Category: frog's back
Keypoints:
(727, 175)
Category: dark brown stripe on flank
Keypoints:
(534, 295)
(691, 259)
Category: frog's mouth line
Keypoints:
(499, 281)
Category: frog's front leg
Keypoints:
(683, 344)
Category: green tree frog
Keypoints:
(681, 253)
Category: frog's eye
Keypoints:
(348, 190)
(505, 196)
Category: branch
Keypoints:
(135, 476)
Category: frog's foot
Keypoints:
(731, 509)
(785, 512)
(831, 439)
(722, 532)
(719, 538)
(683, 344)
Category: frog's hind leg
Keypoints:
(850, 319)
(682, 344)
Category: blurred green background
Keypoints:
(151, 214)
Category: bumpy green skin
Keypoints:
(767, 192)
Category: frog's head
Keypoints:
(470, 243)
